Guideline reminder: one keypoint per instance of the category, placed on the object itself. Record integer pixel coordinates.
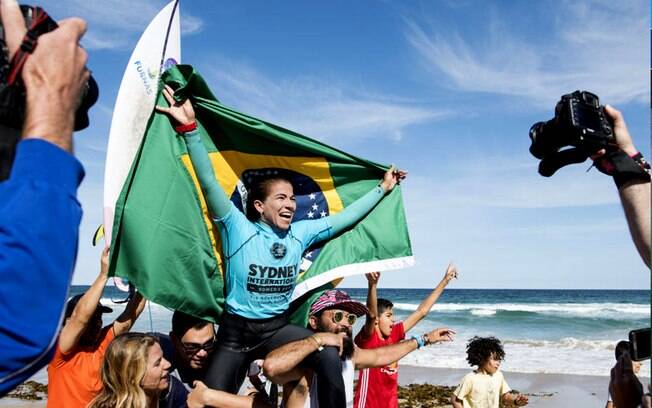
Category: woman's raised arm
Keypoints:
(354, 212)
(183, 114)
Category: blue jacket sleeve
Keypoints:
(39, 228)
(217, 200)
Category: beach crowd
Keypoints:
(95, 365)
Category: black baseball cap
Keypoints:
(72, 302)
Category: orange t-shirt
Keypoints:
(74, 378)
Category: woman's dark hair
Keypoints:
(258, 190)
(480, 349)
(621, 347)
(383, 304)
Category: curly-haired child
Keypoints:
(485, 386)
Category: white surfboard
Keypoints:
(157, 49)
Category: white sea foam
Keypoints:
(483, 312)
(569, 343)
(597, 310)
(565, 356)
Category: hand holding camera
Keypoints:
(53, 94)
(592, 130)
(45, 88)
(600, 133)
(579, 122)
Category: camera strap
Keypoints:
(622, 167)
(40, 24)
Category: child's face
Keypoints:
(491, 365)
(385, 322)
(636, 366)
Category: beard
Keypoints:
(347, 348)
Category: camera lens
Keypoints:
(535, 148)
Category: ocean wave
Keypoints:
(483, 312)
(564, 343)
(565, 356)
(575, 309)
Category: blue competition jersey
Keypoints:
(262, 263)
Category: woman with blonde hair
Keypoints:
(135, 375)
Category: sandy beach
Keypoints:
(543, 390)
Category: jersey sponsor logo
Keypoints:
(278, 250)
(271, 279)
(269, 288)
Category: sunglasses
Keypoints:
(339, 316)
(193, 348)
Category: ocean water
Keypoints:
(543, 331)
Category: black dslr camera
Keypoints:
(12, 91)
(579, 122)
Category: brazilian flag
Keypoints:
(165, 243)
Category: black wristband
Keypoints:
(628, 168)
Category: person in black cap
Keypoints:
(74, 372)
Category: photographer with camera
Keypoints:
(598, 132)
(39, 211)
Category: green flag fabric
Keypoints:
(165, 243)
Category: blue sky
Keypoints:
(447, 90)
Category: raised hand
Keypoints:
(54, 75)
(182, 112)
(392, 177)
(441, 334)
(623, 139)
(373, 277)
(451, 273)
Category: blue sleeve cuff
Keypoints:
(39, 160)
(191, 134)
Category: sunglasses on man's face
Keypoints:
(193, 348)
(339, 316)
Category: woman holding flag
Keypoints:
(262, 252)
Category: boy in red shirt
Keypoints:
(378, 387)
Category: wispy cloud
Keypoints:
(601, 46)
(322, 108)
(116, 24)
(513, 183)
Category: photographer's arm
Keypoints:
(635, 194)
(39, 211)
(635, 197)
